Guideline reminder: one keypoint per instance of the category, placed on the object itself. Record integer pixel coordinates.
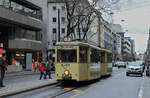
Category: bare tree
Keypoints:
(81, 14)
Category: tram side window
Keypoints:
(66, 56)
(109, 58)
(95, 56)
(83, 54)
(102, 57)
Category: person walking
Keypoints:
(33, 65)
(42, 70)
(48, 68)
(3, 64)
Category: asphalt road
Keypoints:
(116, 86)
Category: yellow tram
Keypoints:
(81, 61)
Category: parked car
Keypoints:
(142, 64)
(120, 64)
(134, 68)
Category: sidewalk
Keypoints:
(22, 85)
(9, 74)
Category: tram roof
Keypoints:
(77, 43)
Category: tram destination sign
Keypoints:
(67, 47)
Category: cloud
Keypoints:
(137, 22)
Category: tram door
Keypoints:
(29, 61)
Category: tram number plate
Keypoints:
(65, 65)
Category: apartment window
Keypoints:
(54, 19)
(54, 30)
(63, 19)
(54, 8)
(63, 30)
(63, 8)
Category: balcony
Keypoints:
(15, 13)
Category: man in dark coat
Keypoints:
(3, 67)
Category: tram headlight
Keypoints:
(66, 72)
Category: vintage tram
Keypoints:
(81, 61)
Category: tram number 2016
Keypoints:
(66, 65)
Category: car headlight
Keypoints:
(66, 72)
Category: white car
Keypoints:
(134, 68)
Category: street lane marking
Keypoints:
(140, 95)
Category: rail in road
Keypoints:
(51, 91)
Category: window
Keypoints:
(63, 19)
(66, 56)
(63, 8)
(54, 30)
(84, 29)
(83, 54)
(95, 56)
(54, 8)
(109, 57)
(54, 19)
(63, 30)
(103, 57)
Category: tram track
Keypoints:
(62, 92)
(51, 91)
(29, 92)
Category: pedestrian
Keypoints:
(48, 66)
(42, 70)
(33, 66)
(3, 68)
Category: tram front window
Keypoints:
(66, 56)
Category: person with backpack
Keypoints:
(48, 68)
(3, 67)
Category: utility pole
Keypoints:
(58, 25)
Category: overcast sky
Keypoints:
(136, 16)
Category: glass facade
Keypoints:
(22, 9)
(21, 33)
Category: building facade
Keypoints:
(127, 56)
(20, 30)
(106, 36)
(58, 22)
(117, 47)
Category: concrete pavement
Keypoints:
(10, 74)
(22, 83)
